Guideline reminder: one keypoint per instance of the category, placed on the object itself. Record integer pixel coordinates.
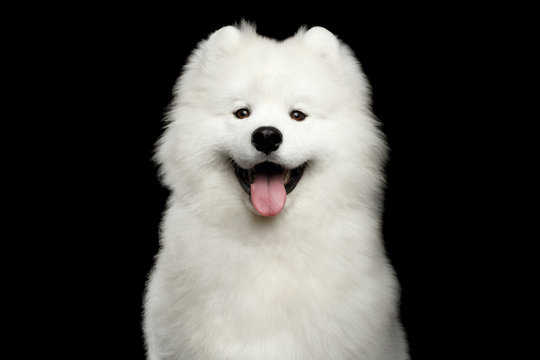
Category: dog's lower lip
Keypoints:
(291, 177)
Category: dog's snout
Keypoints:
(266, 139)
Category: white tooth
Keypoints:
(286, 177)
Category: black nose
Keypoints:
(266, 139)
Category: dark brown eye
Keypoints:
(242, 113)
(297, 115)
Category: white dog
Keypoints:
(271, 244)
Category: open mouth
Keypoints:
(268, 184)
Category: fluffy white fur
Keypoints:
(311, 283)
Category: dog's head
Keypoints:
(268, 124)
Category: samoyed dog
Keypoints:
(271, 242)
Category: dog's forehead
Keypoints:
(283, 72)
(277, 69)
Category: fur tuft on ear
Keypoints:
(322, 41)
(221, 42)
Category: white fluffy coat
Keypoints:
(312, 283)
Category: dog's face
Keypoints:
(257, 121)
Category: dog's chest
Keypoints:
(270, 308)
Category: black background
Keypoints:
(104, 82)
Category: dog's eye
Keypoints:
(242, 113)
(297, 115)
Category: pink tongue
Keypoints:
(268, 194)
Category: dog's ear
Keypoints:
(221, 42)
(322, 41)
